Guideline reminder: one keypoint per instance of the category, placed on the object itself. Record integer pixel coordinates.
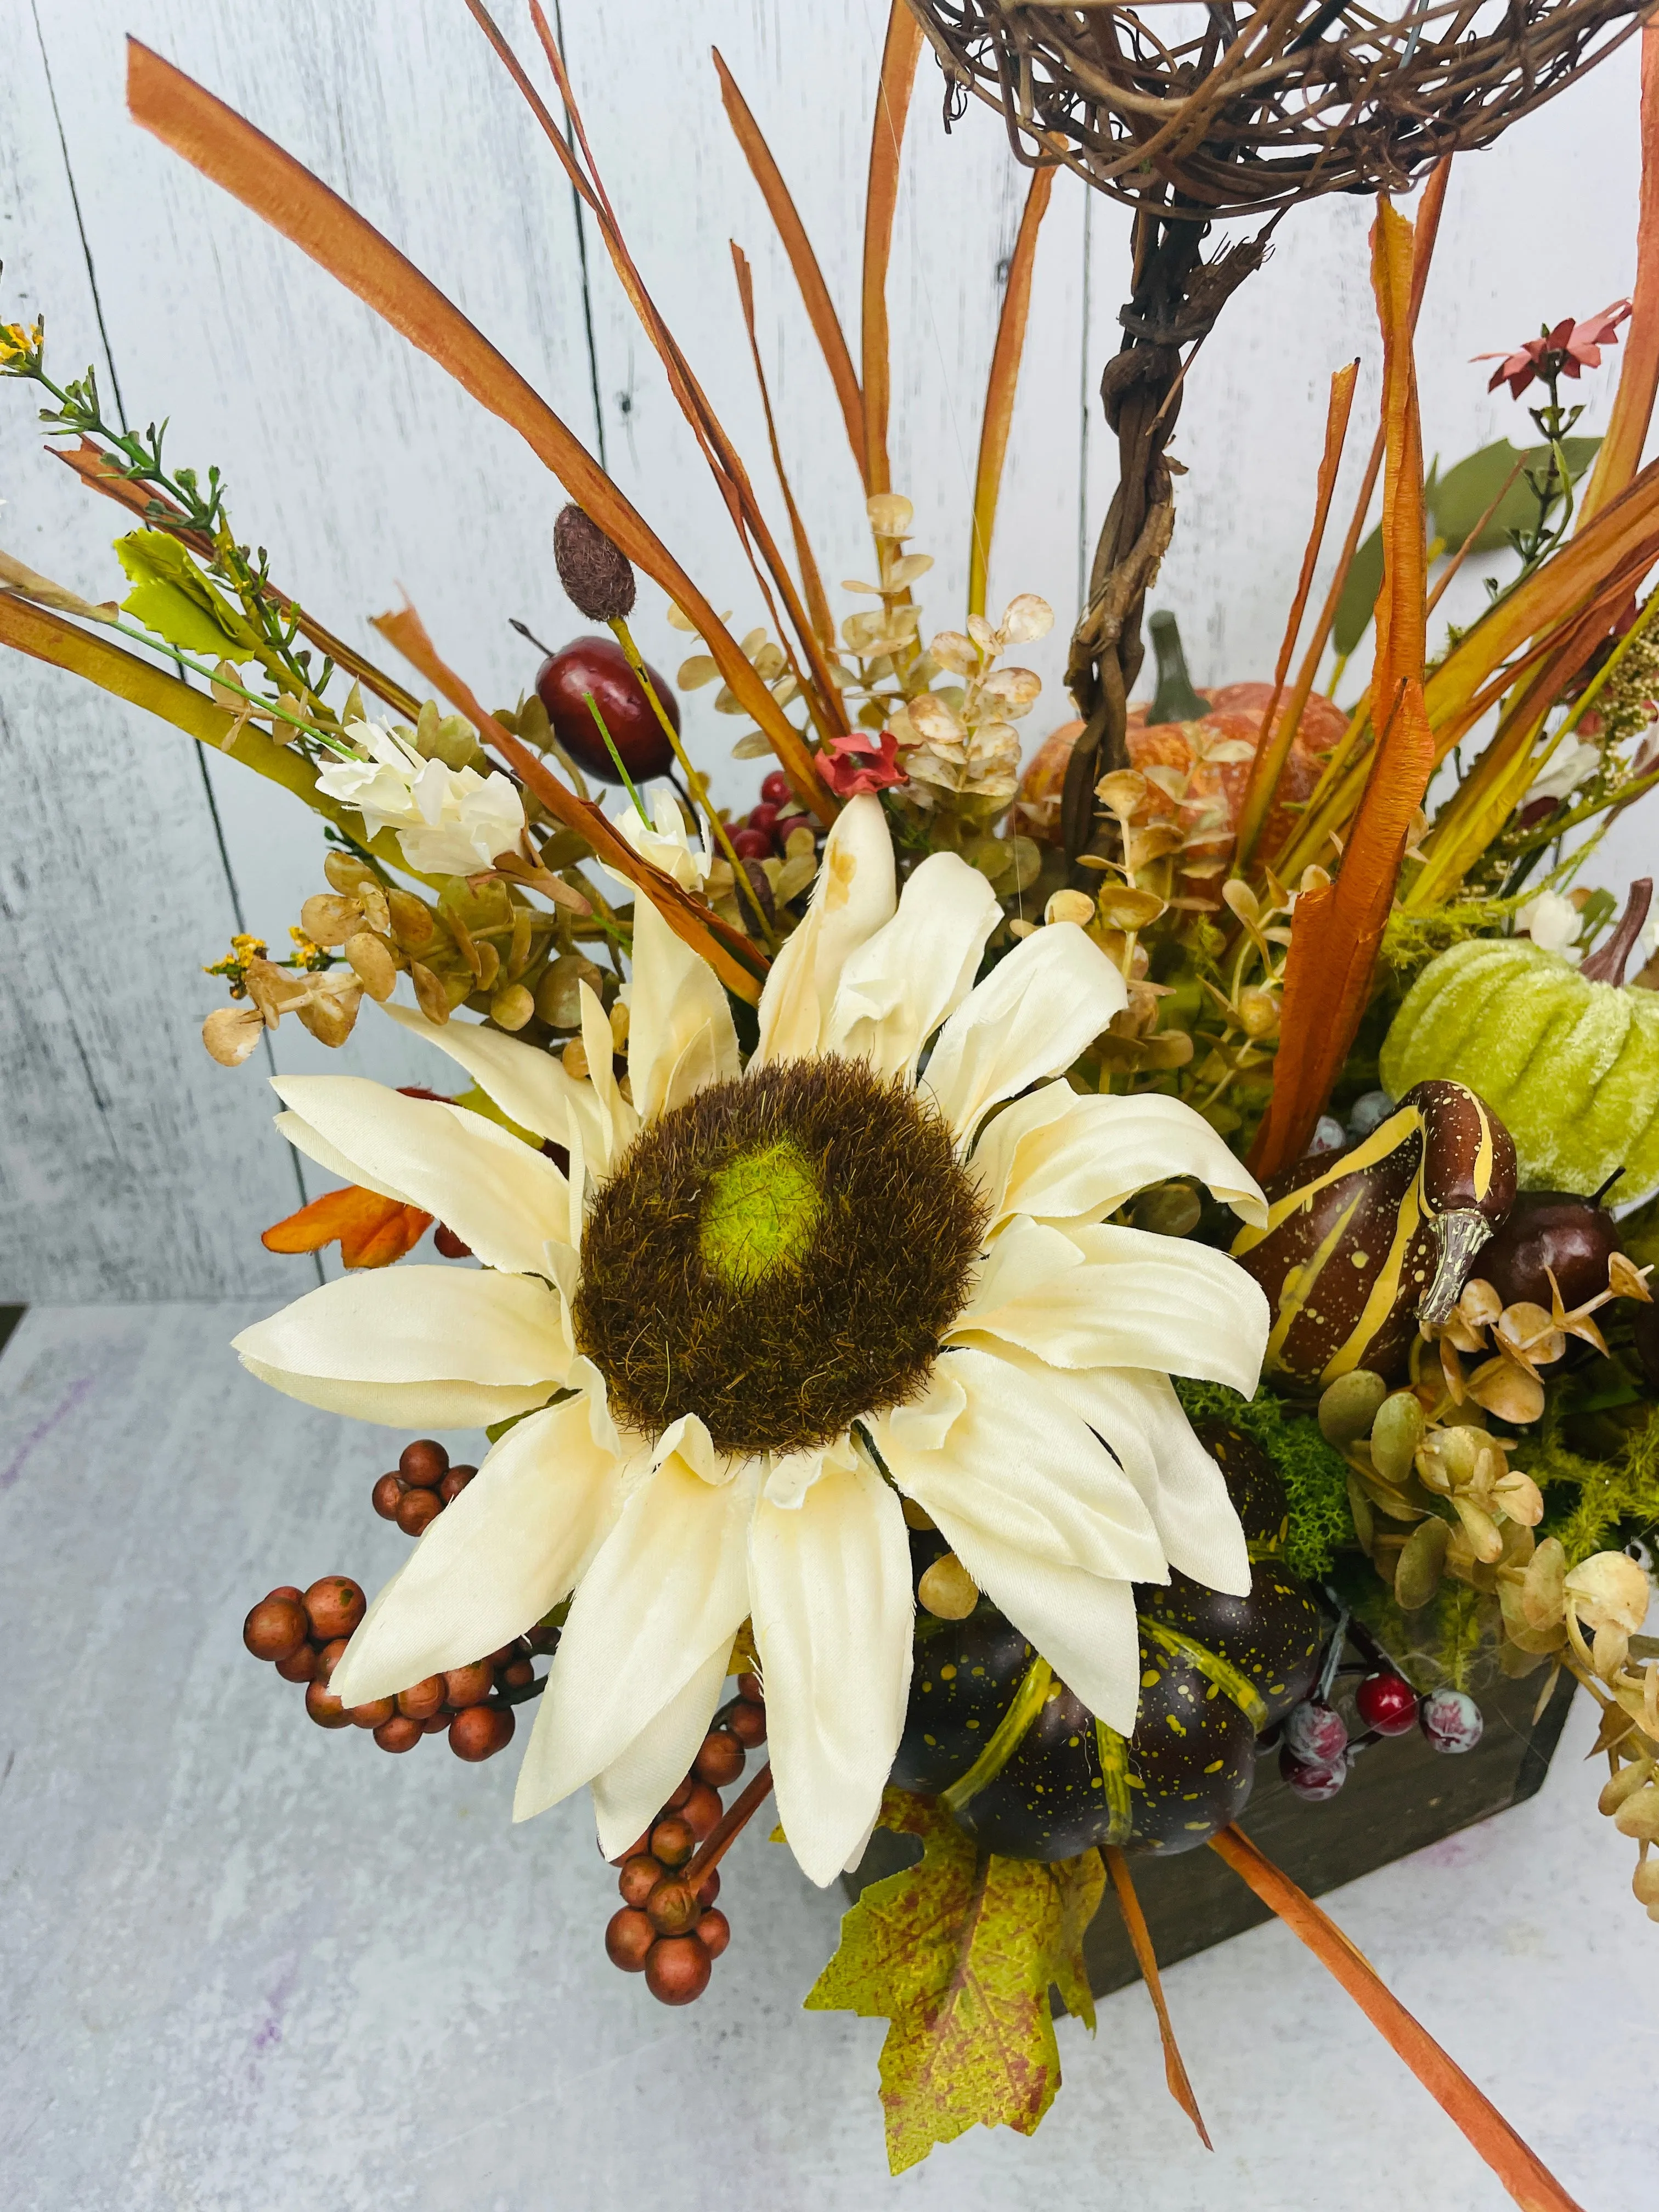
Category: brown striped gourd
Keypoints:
(1363, 1246)
(1025, 1768)
(1569, 1056)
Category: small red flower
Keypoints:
(860, 762)
(1567, 350)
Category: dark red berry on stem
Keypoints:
(398, 1734)
(639, 1877)
(672, 1907)
(1315, 1733)
(673, 1840)
(762, 817)
(422, 1699)
(599, 664)
(721, 1760)
(449, 1244)
(385, 1495)
(300, 1665)
(677, 1969)
(517, 1674)
(417, 1510)
(747, 1722)
(424, 1463)
(713, 1933)
(470, 1686)
(1571, 1237)
(1314, 1780)
(701, 1809)
(1451, 1720)
(324, 1707)
(480, 1731)
(627, 1938)
(335, 1605)
(371, 1715)
(753, 844)
(275, 1628)
(1387, 1703)
(748, 1686)
(774, 789)
(454, 1483)
(709, 1887)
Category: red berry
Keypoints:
(677, 1796)
(437, 1722)
(753, 844)
(386, 1494)
(454, 1483)
(470, 1686)
(749, 1687)
(599, 665)
(480, 1731)
(701, 1809)
(371, 1715)
(709, 1887)
(762, 817)
(398, 1734)
(774, 789)
(747, 1722)
(713, 1933)
(287, 1589)
(422, 1699)
(1451, 1720)
(300, 1665)
(449, 1244)
(721, 1760)
(673, 1840)
(517, 1674)
(627, 1938)
(639, 1877)
(335, 1605)
(328, 1659)
(1313, 1780)
(677, 1969)
(1387, 1703)
(424, 1463)
(324, 1707)
(416, 1509)
(1315, 1734)
(275, 1628)
(671, 1907)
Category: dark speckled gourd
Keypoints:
(1026, 1768)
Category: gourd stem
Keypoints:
(1608, 966)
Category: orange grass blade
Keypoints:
(253, 169)
(814, 292)
(1638, 376)
(1274, 748)
(1134, 1920)
(1004, 381)
(731, 956)
(823, 622)
(899, 56)
(1528, 2181)
(1337, 929)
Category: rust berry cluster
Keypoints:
(669, 1928)
(418, 1488)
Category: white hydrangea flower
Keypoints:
(1553, 921)
(1574, 763)
(448, 822)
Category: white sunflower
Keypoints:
(766, 1301)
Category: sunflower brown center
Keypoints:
(780, 1255)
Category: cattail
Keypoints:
(597, 575)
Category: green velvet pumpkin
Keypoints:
(1571, 1067)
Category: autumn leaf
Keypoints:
(958, 1954)
(371, 1232)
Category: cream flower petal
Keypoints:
(629, 1793)
(667, 1584)
(1033, 1014)
(304, 1139)
(899, 984)
(499, 1196)
(529, 1086)
(1137, 1301)
(618, 1123)
(675, 998)
(1019, 1464)
(449, 1347)
(829, 1595)
(852, 898)
(507, 1548)
(1138, 1417)
(1062, 1158)
(1083, 1624)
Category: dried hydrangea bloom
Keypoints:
(770, 1300)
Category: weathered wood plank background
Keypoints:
(130, 1165)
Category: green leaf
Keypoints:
(173, 598)
(1463, 496)
(958, 1954)
(1358, 604)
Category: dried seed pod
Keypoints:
(328, 919)
(947, 1590)
(329, 1009)
(1350, 1405)
(346, 873)
(411, 920)
(597, 576)
(429, 993)
(510, 1009)
(1421, 1563)
(1625, 1784)
(1638, 1815)
(230, 1033)
(371, 964)
(558, 995)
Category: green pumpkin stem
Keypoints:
(1175, 699)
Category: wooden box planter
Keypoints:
(1400, 1796)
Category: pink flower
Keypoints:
(860, 763)
(1566, 350)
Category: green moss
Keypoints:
(1592, 1505)
(1410, 941)
(1314, 1473)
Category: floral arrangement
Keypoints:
(1025, 1287)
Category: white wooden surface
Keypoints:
(129, 1164)
(248, 1965)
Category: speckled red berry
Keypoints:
(417, 1510)
(449, 1245)
(422, 1699)
(454, 1483)
(721, 1760)
(639, 1877)
(335, 1605)
(673, 1840)
(753, 844)
(714, 1932)
(385, 1495)
(300, 1665)
(1451, 1720)
(398, 1734)
(275, 1628)
(425, 1463)
(747, 1722)
(1387, 1703)
(677, 1969)
(470, 1686)
(1313, 1780)
(1315, 1733)
(480, 1731)
(774, 789)
(701, 1809)
(672, 1907)
(629, 1938)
